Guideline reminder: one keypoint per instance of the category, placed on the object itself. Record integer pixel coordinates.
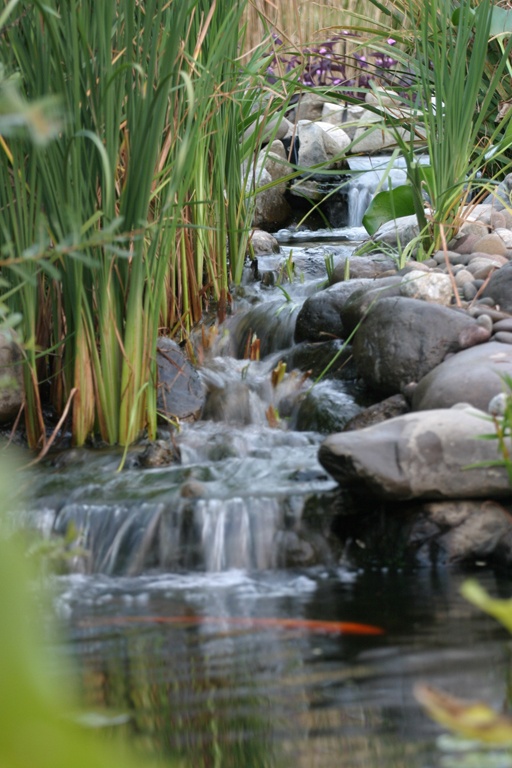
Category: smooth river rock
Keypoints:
(319, 318)
(473, 376)
(499, 288)
(401, 340)
(423, 455)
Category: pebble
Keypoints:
(486, 322)
(452, 256)
(469, 291)
(504, 336)
(482, 309)
(491, 243)
(463, 276)
(506, 237)
(503, 325)
(486, 301)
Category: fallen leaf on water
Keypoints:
(472, 719)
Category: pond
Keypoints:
(214, 612)
(202, 687)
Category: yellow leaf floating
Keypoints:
(471, 719)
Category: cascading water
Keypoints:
(370, 175)
(236, 493)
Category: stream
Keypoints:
(209, 606)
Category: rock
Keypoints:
(180, 390)
(401, 340)
(506, 238)
(473, 375)
(309, 107)
(333, 113)
(401, 230)
(275, 128)
(469, 530)
(382, 97)
(263, 242)
(159, 453)
(500, 197)
(271, 207)
(490, 243)
(315, 359)
(499, 288)
(320, 143)
(430, 455)
(488, 215)
(372, 265)
(319, 317)
(349, 116)
(503, 325)
(393, 406)
(427, 286)
(11, 378)
(326, 408)
(362, 299)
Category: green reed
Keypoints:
(117, 229)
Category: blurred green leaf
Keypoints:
(499, 609)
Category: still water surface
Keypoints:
(218, 693)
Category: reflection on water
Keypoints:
(221, 694)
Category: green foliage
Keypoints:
(39, 715)
(387, 205)
(117, 228)
(448, 85)
(500, 609)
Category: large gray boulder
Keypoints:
(434, 454)
(402, 339)
(474, 375)
(366, 296)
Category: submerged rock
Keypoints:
(429, 455)
(433, 533)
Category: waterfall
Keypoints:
(366, 179)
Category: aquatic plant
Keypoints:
(449, 109)
(117, 229)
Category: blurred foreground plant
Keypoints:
(474, 720)
(39, 715)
